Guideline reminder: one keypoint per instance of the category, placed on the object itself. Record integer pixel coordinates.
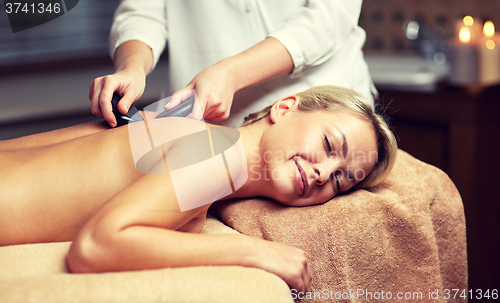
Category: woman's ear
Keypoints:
(283, 107)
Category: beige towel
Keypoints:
(405, 237)
(37, 273)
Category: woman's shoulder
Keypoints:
(212, 161)
(150, 138)
(200, 141)
(213, 145)
(168, 129)
(192, 149)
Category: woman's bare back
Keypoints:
(49, 192)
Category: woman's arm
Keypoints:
(138, 229)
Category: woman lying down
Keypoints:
(115, 197)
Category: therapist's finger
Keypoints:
(105, 103)
(95, 92)
(126, 101)
(217, 115)
(209, 113)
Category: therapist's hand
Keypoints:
(215, 90)
(216, 85)
(133, 60)
(129, 83)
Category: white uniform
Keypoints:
(322, 37)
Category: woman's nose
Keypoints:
(322, 175)
(324, 171)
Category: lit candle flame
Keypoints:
(489, 29)
(464, 35)
(490, 44)
(468, 20)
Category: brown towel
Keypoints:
(402, 239)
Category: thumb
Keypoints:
(179, 96)
(126, 102)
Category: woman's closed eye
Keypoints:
(328, 146)
(335, 179)
(336, 183)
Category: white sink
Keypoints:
(405, 72)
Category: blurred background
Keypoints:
(383, 20)
(45, 73)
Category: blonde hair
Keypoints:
(334, 98)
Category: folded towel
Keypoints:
(37, 273)
(404, 238)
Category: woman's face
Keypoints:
(310, 157)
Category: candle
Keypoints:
(464, 59)
(474, 27)
(489, 56)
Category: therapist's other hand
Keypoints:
(215, 90)
(129, 83)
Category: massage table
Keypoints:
(404, 237)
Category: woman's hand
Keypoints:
(287, 262)
(215, 89)
(129, 83)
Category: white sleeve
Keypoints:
(141, 20)
(314, 33)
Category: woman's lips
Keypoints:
(300, 178)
